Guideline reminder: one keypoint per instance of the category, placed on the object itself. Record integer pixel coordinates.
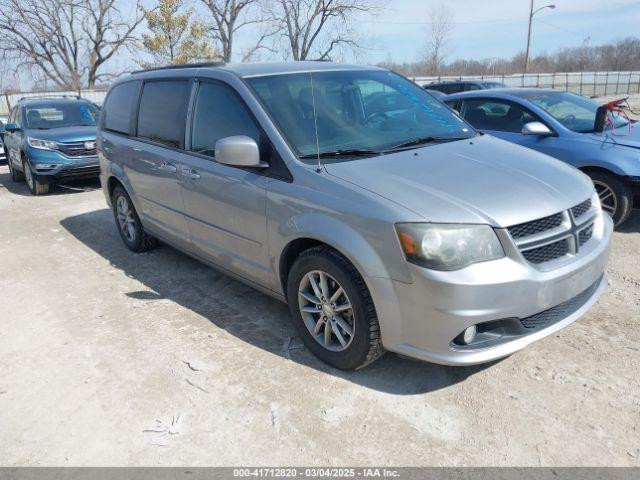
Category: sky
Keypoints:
(497, 28)
(482, 29)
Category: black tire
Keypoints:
(35, 187)
(620, 189)
(16, 175)
(136, 239)
(366, 345)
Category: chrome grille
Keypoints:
(77, 149)
(585, 235)
(581, 209)
(560, 312)
(537, 226)
(556, 236)
(547, 252)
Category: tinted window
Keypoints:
(219, 113)
(496, 115)
(119, 107)
(163, 111)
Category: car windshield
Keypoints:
(57, 115)
(573, 111)
(355, 113)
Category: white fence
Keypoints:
(584, 83)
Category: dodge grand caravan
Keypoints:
(383, 219)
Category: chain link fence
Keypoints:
(589, 84)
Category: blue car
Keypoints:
(51, 140)
(562, 125)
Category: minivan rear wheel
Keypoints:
(616, 196)
(128, 223)
(332, 309)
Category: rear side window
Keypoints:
(119, 107)
(219, 113)
(163, 111)
(497, 115)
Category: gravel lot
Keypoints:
(112, 358)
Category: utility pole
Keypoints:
(532, 12)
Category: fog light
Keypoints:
(469, 335)
(46, 166)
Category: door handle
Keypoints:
(190, 173)
(168, 167)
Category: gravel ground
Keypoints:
(112, 358)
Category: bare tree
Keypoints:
(440, 28)
(229, 16)
(316, 28)
(67, 41)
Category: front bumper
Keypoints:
(65, 169)
(423, 319)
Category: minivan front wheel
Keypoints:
(616, 197)
(128, 223)
(332, 309)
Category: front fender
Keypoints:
(338, 235)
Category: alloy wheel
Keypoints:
(608, 198)
(125, 218)
(27, 174)
(326, 311)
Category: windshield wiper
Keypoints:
(352, 152)
(423, 141)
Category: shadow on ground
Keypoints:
(21, 188)
(242, 311)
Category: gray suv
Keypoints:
(383, 219)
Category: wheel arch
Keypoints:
(315, 230)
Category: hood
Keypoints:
(65, 134)
(481, 180)
(623, 136)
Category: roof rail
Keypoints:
(35, 97)
(177, 67)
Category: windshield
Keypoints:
(58, 115)
(356, 112)
(573, 111)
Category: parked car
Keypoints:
(49, 140)
(462, 86)
(3, 156)
(437, 93)
(561, 124)
(383, 219)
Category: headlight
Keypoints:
(42, 144)
(448, 246)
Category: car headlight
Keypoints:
(448, 246)
(42, 144)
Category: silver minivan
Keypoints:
(383, 219)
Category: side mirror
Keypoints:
(536, 128)
(11, 127)
(239, 151)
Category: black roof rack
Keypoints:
(36, 97)
(185, 65)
